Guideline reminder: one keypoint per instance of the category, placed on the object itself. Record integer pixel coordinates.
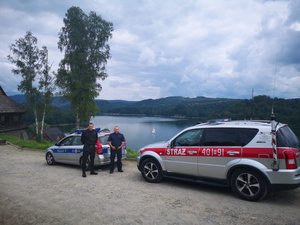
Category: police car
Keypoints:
(69, 150)
(254, 158)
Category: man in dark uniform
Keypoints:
(89, 138)
(116, 142)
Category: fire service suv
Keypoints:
(254, 158)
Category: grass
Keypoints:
(32, 144)
(131, 154)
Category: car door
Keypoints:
(181, 155)
(219, 149)
(75, 150)
(61, 149)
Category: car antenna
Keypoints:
(275, 163)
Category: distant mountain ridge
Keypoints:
(202, 108)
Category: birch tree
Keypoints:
(31, 64)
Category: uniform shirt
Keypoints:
(89, 137)
(116, 139)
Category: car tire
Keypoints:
(87, 165)
(249, 184)
(151, 171)
(50, 159)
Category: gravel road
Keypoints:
(31, 192)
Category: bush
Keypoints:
(132, 154)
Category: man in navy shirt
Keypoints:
(116, 142)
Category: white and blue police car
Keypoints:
(69, 150)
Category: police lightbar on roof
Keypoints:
(218, 120)
(79, 131)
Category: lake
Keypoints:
(141, 131)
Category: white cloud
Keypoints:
(295, 26)
(173, 47)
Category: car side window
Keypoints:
(188, 138)
(228, 136)
(220, 137)
(67, 141)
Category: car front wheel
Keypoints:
(249, 184)
(151, 171)
(50, 159)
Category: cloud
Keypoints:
(164, 48)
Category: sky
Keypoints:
(213, 48)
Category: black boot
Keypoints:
(83, 174)
(93, 173)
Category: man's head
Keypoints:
(116, 129)
(91, 126)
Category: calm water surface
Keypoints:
(141, 131)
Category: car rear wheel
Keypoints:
(249, 185)
(151, 171)
(87, 164)
(50, 159)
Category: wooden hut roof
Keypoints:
(7, 105)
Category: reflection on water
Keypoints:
(141, 131)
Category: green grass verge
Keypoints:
(131, 154)
(26, 143)
(32, 144)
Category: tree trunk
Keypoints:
(37, 130)
(77, 121)
(36, 122)
(43, 122)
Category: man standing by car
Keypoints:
(89, 139)
(116, 142)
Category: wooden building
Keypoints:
(10, 113)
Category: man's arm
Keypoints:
(123, 142)
(83, 138)
(109, 143)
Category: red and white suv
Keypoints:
(241, 154)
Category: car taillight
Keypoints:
(290, 160)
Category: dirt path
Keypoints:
(32, 192)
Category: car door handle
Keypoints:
(233, 153)
(192, 152)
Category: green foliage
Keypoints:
(132, 154)
(84, 42)
(32, 64)
(25, 56)
(25, 143)
(55, 116)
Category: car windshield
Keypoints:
(286, 138)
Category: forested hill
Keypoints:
(207, 108)
(259, 108)
(286, 110)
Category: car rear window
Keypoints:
(103, 140)
(286, 138)
(228, 136)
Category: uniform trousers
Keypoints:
(113, 154)
(88, 150)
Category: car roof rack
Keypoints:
(218, 121)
